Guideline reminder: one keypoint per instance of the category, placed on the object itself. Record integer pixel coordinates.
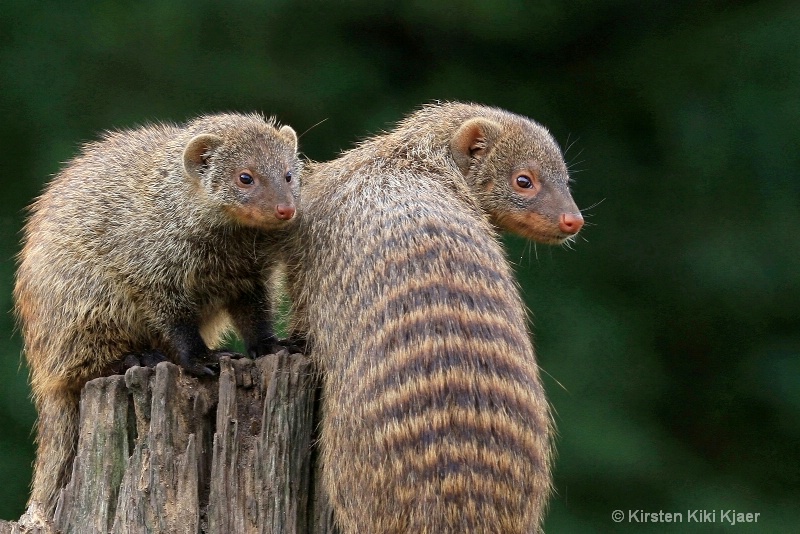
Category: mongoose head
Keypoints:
(250, 173)
(517, 171)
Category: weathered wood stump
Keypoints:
(160, 451)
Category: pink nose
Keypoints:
(284, 211)
(570, 223)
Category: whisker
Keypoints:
(521, 259)
(574, 162)
(311, 128)
(570, 145)
(593, 205)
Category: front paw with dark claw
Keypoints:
(145, 358)
(205, 365)
(193, 367)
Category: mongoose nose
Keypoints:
(284, 211)
(570, 223)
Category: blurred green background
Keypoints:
(670, 335)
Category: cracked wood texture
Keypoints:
(160, 451)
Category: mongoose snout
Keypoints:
(570, 223)
(284, 211)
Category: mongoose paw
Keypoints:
(198, 369)
(145, 358)
(294, 344)
(200, 366)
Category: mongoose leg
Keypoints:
(191, 351)
(252, 317)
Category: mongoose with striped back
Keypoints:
(434, 416)
(153, 241)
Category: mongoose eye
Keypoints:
(289, 176)
(524, 181)
(246, 178)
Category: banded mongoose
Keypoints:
(152, 241)
(434, 415)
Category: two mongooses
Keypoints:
(152, 241)
(434, 415)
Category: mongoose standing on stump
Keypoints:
(434, 417)
(152, 241)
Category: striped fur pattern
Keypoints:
(127, 252)
(435, 420)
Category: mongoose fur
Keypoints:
(434, 416)
(152, 241)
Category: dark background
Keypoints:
(669, 336)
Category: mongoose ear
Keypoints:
(288, 134)
(195, 155)
(472, 140)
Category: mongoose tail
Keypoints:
(435, 417)
(57, 410)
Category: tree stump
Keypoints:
(161, 451)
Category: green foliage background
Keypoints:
(670, 335)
